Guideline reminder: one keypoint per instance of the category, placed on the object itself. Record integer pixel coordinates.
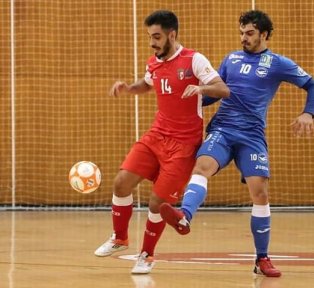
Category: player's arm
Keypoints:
(139, 87)
(213, 85)
(207, 100)
(304, 124)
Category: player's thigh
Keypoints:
(251, 158)
(175, 172)
(141, 161)
(206, 166)
(217, 148)
(124, 183)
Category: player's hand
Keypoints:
(303, 125)
(118, 88)
(190, 91)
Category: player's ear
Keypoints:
(173, 35)
(265, 35)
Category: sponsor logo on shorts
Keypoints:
(211, 139)
(262, 158)
(261, 167)
(174, 195)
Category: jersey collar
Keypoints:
(173, 56)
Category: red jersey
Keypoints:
(179, 118)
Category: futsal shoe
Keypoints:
(175, 218)
(263, 266)
(111, 246)
(144, 264)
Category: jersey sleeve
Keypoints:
(290, 72)
(202, 68)
(148, 77)
(222, 69)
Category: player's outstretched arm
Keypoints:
(303, 124)
(138, 87)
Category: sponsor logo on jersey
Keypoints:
(235, 61)
(301, 72)
(261, 72)
(265, 60)
(235, 56)
(188, 73)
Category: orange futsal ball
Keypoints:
(85, 177)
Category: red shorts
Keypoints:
(164, 161)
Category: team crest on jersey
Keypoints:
(265, 60)
(261, 72)
(180, 73)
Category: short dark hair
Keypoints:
(165, 18)
(259, 19)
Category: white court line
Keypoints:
(12, 252)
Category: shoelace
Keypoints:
(144, 260)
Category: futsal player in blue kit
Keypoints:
(236, 132)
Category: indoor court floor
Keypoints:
(55, 249)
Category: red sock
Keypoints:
(121, 216)
(151, 236)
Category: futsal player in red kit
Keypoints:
(165, 154)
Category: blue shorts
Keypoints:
(248, 151)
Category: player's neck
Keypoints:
(261, 49)
(257, 51)
(172, 51)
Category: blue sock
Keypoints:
(194, 195)
(260, 227)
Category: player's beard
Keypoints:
(166, 50)
(252, 47)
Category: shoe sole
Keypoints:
(108, 254)
(170, 215)
(258, 271)
(140, 272)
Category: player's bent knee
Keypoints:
(124, 183)
(206, 166)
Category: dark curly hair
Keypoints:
(165, 18)
(259, 19)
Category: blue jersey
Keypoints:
(253, 80)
